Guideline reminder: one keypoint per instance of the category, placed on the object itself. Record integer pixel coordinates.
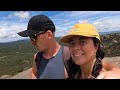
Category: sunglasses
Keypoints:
(33, 37)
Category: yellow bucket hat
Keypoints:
(83, 29)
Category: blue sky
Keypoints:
(12, 22)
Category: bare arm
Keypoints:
(34, 69)
(109, 71)
(109, 66)
(113, 74)
(66, 73)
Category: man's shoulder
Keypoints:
(66, 53)
(36, 54)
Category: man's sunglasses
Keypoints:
(35, 35)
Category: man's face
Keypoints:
(33, 37)
(39, 40)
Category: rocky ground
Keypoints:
(22, 75)
(26, 74)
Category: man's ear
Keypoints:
(49, 33)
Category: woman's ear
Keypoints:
(96, 47)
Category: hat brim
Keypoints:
(27, 33)
(66, 38)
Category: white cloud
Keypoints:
(22, 14)
(107, 25)
(8, 30)
(83, 21)
(103, 20)
(19, 14)
(3, 34)
(9, 35)
(9, 26)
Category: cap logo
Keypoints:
(75, 29)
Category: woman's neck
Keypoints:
(86, 70)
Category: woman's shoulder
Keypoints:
(113, 74)
(109, 74)
(109, 66)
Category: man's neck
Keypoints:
(52, 51)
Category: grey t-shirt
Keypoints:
(52, 68)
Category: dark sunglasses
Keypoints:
(35, 35)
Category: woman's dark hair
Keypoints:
(100, 54)
(73, 68)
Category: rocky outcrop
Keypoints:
(22, 75)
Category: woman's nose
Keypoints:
(77, 46)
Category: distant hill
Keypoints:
(18, 41)
(110, 32)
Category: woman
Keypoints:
(84, 44)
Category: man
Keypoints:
(41, 31)
(49, 62)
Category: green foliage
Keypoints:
(111, 44)
(16, 57)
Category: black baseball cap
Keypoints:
(36, 24)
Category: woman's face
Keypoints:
(82, 50)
